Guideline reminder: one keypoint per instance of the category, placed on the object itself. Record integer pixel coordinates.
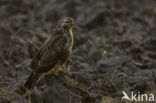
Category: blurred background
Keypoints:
(114, 47)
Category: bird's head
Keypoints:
(65, 23)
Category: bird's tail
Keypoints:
(32, 81)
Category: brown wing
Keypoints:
(49, 55)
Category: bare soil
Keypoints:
(114, 47)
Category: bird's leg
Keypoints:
(57, 71)
(29, 95)
(38, 79)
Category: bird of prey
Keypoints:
(53, 54)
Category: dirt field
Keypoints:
(114, 47)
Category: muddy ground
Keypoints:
(114, 47)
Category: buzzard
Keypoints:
(53, 54)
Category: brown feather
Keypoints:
(54, 52)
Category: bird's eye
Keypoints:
(67, 21)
